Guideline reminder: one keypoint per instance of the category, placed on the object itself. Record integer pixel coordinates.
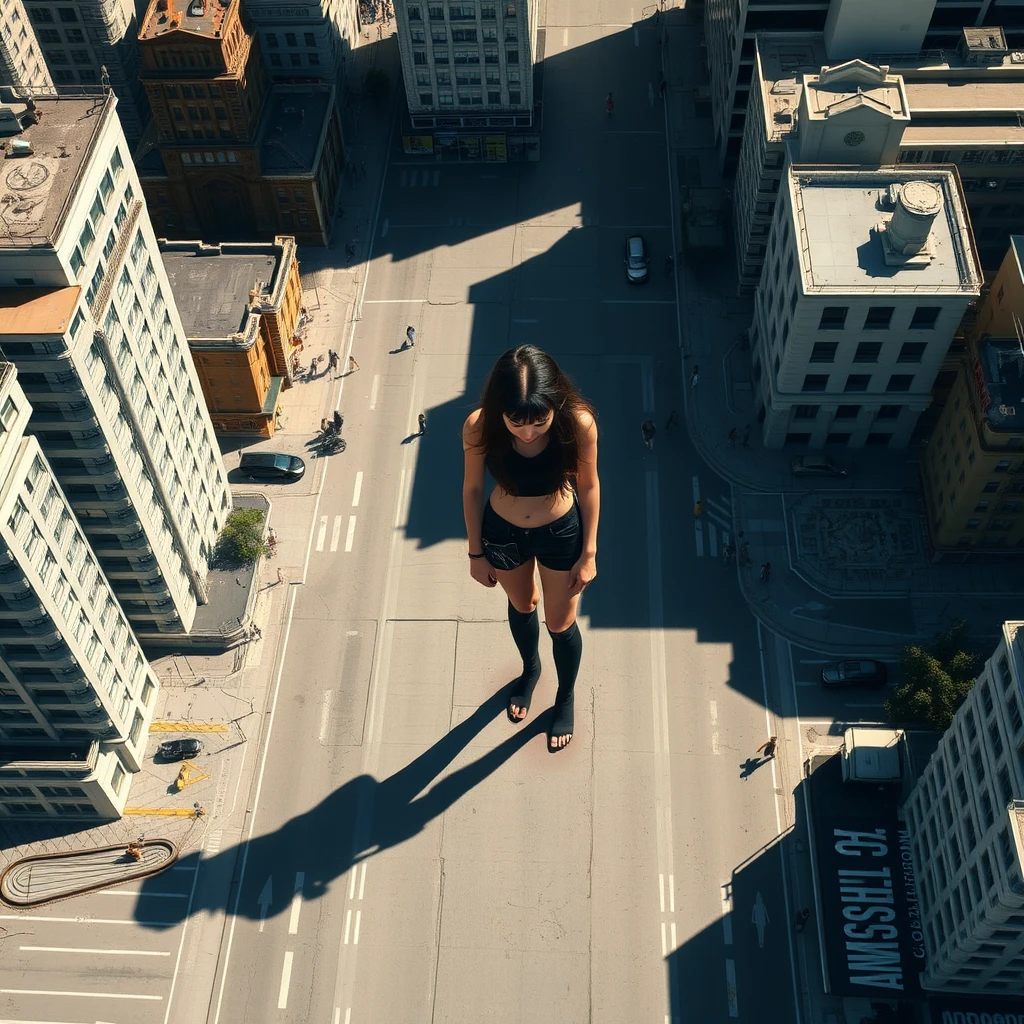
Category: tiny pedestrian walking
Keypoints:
(339, 422)
(280, 575)
(362, 168)
(255, 633)
(332, 360)
(801, 918)
(733, 435)
(695, 376)
(672, 421)
(648, 429)
(662, 88)
(766, 572)
(746, 436)
(422, 420)
(410, 335)
(727, 553)
(768, 748)
(698, 509)
(325, 424)
(352, 364)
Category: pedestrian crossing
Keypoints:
(426, 177)
(714, 522)
(335, 529)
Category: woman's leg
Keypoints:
(566, 648)
(520, 586)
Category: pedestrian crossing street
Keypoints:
(423, 177)
(714, 523)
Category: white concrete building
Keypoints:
(305, 40)
(117, 405)
(468, 64)
(21, 61)
(866, 277)
(81, 38)
(76, 693)
(966, 821)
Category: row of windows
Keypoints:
(879, 318)
(867, 352)
(290, 39)
(44, 15)
(53, 35)
(464, 11)
(898, 382)
(295, 59)
(846, 412)
(470, 98)
(966, 156)
(439, 35)
(490, 54)
(195, 90)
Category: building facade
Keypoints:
(240, 307)
(867, 276)
(468, 71)
(965, 816)
(233, 158)
(82, 39)
(76, 692)
(21, 61)
(116, 401)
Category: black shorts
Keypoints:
(556, 545)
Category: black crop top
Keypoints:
(534, 476)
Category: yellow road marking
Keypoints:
(167, 812)
(188, 727)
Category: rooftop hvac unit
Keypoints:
(21, 147)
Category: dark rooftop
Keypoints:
(212, 291)
(293, 127)
(1002, 392)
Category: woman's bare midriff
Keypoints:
(530, 512)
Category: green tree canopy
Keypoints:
(241, 540)
(935, 679)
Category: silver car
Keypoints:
(815, 465)
(636, 259)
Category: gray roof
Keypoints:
(293, 126)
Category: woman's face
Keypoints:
(527, 433)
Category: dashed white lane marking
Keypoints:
(714, 727)
(357, 489)
(348, 924)
(664, 941)
(336, 533)
(321, 533)
(374, 391)
(74, 995)
(325, 716)
(565, 37)
(672, 894)
(730, 987)
(661, 891)
(727, 914)
(355, 935)
(293, 920)
(337, 1015)
(286, 980)
(362, 880)
(384, 228)
(84, 920)
(108, 952)
(351, 533)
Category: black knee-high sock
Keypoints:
(567, 649)
(525, 627)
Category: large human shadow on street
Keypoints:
(361, 818)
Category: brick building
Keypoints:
(229, 157)
(239, 304)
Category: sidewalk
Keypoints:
(849, 567)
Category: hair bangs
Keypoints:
(533, 408)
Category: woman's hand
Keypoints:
(583, 573)
(482, 571)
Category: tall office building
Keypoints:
(21, 62)
(76, 693)
(81, 39)
(117, 405)
(867, 276)
(965, 816)
(468, 70)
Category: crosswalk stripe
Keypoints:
(321, 533)
(336, 533)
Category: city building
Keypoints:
(867, 275)
(956, 106)
(468, 73)
(972, 473)
(76, 692)
(239, 303)
(849, 28)
(21, 61)
(965, 817)
(117, 406)
(228, 157)
(306, 40)
(93, 42)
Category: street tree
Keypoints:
(241, 540)
(935, 679)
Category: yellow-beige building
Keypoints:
(973, 470)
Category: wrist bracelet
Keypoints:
(481, 555)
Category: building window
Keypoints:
(815, 382)
(289, 39)
(911, 352)
(1003, 466)
(309, 39)
(275, 60)
(296, 59)
(857, 382)
(888, 412)
(494, 98)
(925, 318)
(847, 412)
(837, 438)
(867, 352)
(833, 318)
(420, 57)
(67, 15)
(900, 382)
(878, 440)
(438, 34)
(117, 779)
(426, 99)
(805, 412)
(511, 56)
(824, 352)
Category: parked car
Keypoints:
(815, 465)
(178, 750)
(854, 673)
(636, 259)
(272, 466)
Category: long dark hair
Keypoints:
(525, 385)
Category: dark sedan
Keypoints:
(854, 673)
(178, 750)
(272, 466)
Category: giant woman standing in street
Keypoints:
(538, 439)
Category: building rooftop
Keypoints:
(294, 127)
(211, 287)
(838, 215)
(36, 187)
(26, 311)
(1001, 361)
(203, 17)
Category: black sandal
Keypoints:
(563, 720)
(522, 696)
